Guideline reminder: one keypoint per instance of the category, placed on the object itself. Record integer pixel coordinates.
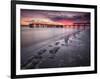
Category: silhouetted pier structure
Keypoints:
(74, 26)
(49, 24)
(46, 26)
(81, 25)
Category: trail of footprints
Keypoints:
(35, 60)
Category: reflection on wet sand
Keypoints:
(54, 47)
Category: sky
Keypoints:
(62, 17)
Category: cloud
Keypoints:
(56, 16)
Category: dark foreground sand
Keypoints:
(70, 50)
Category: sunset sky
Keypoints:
(62, 17)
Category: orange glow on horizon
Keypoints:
(66, 22)
(26, 21)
